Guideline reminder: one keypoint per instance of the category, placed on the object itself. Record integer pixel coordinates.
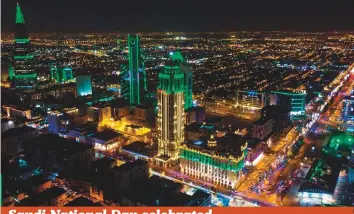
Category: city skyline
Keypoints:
(111, 16)
(242, 119)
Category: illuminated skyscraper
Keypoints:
(170, 118)
(188, 78)
(83, 85)
(61, 75)
(23, 61)
(137, 78)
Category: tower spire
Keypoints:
(19, 15)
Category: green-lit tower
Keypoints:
(24, 75)
(188, 78)
(137, 78)
(170, 117)
(61, 74)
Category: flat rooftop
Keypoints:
(141, 148)
(105, 135)
(128, 166)
(17, 132)
(42, 197)
(82, 202)
(163, 192)
(61, 146)
(322, 177)
(229, 144)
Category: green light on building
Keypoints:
(339, 144)
(61, 75)
(32, 76)
(188, 78)
(19, 15)
(23, 57)
(204, 158)
(295, 100)
(11, 71)
(137, 77)
(171, 80)
(83, 85)
(25, 40)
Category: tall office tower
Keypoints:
(188, 78)
(296, 101)
(24, 75)
(83, 85)
(61, 75)
(170, 118)
(54, 121)
(137, 78)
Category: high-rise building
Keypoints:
(188, 78)
(296, 101)
(83, 85)
(280, 115)
(137, 78)
(24, 74)
(170, 118)
(54, 121)
(61, 75)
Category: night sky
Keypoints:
(182, 15)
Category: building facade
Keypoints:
(171, 116)
(23, 73)
(188, 78)
(280, 115)
(12, 139)
(61, 75)
(262, 128)
(54, 123)
(296, 101)
(205, 162)
(137, 78)
(83, 85)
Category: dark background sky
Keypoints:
(180, 15)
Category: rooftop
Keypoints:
(163, 192)
(82, 202)
(277, 108)
(261, 121)
(229, 144)
(322, 177)
(105, 135)
(17, 132)
(141, 148)
(42, 198)
(128, 166)
(51, 143)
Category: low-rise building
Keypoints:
(105, 140)
(320, 183)
(218, 160)
(262, 128)
(54, 196)
(144, 112)
(12, 139)
(139, 150)
(6, 124)
(48, 150)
